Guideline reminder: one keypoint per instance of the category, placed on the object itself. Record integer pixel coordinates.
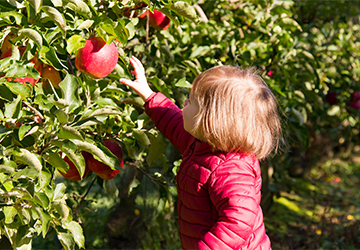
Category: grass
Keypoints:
(320, 211)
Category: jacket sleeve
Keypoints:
(168, 120)
(232, 191)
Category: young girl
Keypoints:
(229, 122)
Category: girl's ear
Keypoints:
(186, 102)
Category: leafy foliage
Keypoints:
(302, 57)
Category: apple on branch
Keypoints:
(97, 58)
(158, 20)
(72, 173)
(50, 74)
(101, 169)
(355, 96)
(331, 98)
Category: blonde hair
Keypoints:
(237, 111)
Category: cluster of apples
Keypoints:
(47, 72)
(354, 103)
(355, 100)
(93, 165)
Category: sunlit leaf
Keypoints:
(184, 9)
(80, 7)
(56, 16)
(56, 161)
(36, 4)
(67, 132)
(33, 35)
(75, 43)
(69, 87)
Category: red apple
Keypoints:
(158, 20)
(331, 98)
(24, 80)
(101, 169)
(49, 73)
(72, 173)
(6, 53)
(355, 96)
(97, 59)
(354, 105)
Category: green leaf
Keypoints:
(77, 233)
(42, 199)
(75, 43)
(10, 213)
(5, 93)
(36, 4)
(157, 146)
(49, 54)
(86, 24)
(62, 209)
(66, 239)
(290, 22)
(182, 83)
(184, 9)
(23, 239)
(45, 222)
(45, 178)
(12, 109)
(141, 137)
(59, 192)
(298, 116)
(16, 4)
(100, 153)
(69, 87)
(23, 130)
(80, 7)
(27, 173)
(100, 112)
(19, 18)
(56, 161)
(200, 51)
(111, 188)
(67, 132)
(33, 35)
(62, 116)
(76, 158)
(28, 158)
(20, 69)
(56, 16)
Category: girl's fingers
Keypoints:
(138, 67)
(126, 81)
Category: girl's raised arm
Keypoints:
(139, 85)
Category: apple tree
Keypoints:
(56, 116)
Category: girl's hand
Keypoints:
(139, 85)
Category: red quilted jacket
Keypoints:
(219, 193)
